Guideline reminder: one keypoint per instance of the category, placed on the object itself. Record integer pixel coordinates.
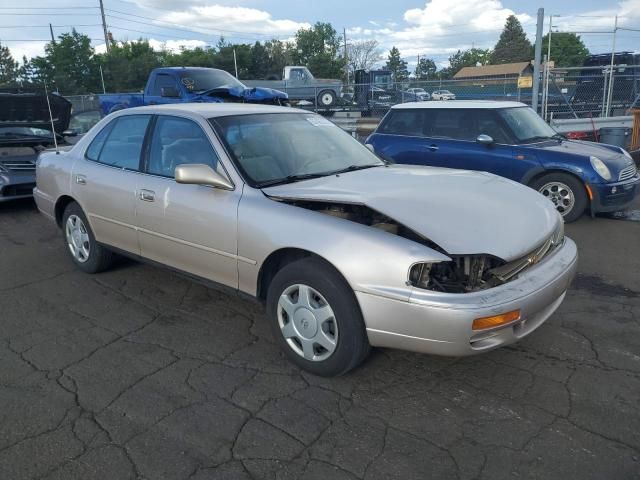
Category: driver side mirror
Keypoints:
(200, 174)
(169, 92)
(484, 139)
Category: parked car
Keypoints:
(25, 131)
(300, 84)
(509, 139)
(347, 252)
(191, 84)
(420, 93)
(442, 95)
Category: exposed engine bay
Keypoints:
(463, 274)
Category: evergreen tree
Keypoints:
(513, 45)
(425, 69)
(397, 65)
(8, 66)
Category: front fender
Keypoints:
(371, 260)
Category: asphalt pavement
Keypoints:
(138, 373)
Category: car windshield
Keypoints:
(526, 125)
(199, 81)
(281, 148)
(21, 132)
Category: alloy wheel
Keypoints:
(561, 195)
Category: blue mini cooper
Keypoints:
(509, 139)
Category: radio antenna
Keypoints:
(53, 128)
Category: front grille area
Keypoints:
(17, 190)
(628, 172)
(18, 165)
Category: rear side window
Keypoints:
(466, 124)
(163, 80)
(119, 144)
(404, 122)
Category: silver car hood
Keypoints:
(461, 211)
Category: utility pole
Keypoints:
(346, 56)
(104, 27)
(53, 40)
(235, 62)
(545, 95)
(537, 59)
(613, 58)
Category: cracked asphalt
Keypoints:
(137, 373)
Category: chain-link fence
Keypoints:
(581, 92)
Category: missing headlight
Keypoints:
(463, 274)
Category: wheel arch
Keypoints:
(545, 172)
(277, 260)
(60, 206)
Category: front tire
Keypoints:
(315, 318)
(88, 255)
(567, 193)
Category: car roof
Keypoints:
(211, 110)
(460, 104)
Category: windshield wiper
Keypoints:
(352, 168)
(291, 179)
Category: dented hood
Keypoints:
(461, 211)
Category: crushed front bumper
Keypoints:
(441, 323)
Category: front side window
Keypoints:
(287, 147)
(177, 141)
(119, 143)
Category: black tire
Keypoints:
(326, 98)
(99, 257)
(575, 187)
(352, 345)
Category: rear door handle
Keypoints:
(81, 180)
(432, 148)
(147, 195)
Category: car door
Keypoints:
(104, 182)
(452, 137)
(400, 137)
(163, 80)
(188, 227)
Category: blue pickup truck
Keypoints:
(191, 84)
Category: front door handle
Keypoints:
(81, 180)
(432, 148)
(147, 195)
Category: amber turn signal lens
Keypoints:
(496, 320)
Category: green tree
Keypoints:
(259, 64)
(567, 49)
(397, 65)
(127, 65)
(466, 58)
(69, 64)
(513, 45)
(318, 48)
(425, 69)
(280, 55)
(8, 66)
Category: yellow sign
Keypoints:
(525, 82)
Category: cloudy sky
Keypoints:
(435, 28)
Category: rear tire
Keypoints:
(325, 332)
(326, 98)
(567, 193)
(88, 255)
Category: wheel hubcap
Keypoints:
(326, 99)
(307, 322)
(77, 238)
(561, 196)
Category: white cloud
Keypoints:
(28, 49)
(226, 20)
